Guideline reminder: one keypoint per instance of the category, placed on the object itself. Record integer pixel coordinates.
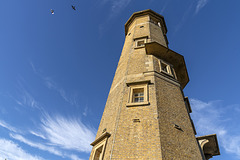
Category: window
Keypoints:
(166, 68)
(156, 22)
(99, 146)
(138, 93)
(98, 153)
(140, 43)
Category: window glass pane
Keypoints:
(172, 72)
(135, 99)
(138, 95)
(164, 67)
(140, 43)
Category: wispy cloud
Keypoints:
(85, 112)
(72, 99)
(62, 133)
(232, 145)
(7, 126)
(33, 67)
(11, 151)
(24, 97)
(51, 84)
(69, 134)
(74, 157)
(57, 134)
(43, 147)
(193, 6)
(187, 12)
(37, 134)
(164, 6)
(200, 5)
(213, 117)
(36, 145)
(118, 6)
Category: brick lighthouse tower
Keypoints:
(146, 114)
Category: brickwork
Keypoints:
(147, 130)
(176, 144)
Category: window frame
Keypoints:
(101, 154)
(170, 71)
(144, 39)
(140, 45)
(100, 142)
(137, 95)
(134, 86)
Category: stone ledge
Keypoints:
(105, 135)
(168, 55)
(138, 82)
(137, 104)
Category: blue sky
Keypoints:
(56, 70)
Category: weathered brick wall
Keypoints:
(176, 144)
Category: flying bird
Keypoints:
(73, 7)
(52, 11)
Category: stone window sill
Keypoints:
(139, 47)
(137, 104)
